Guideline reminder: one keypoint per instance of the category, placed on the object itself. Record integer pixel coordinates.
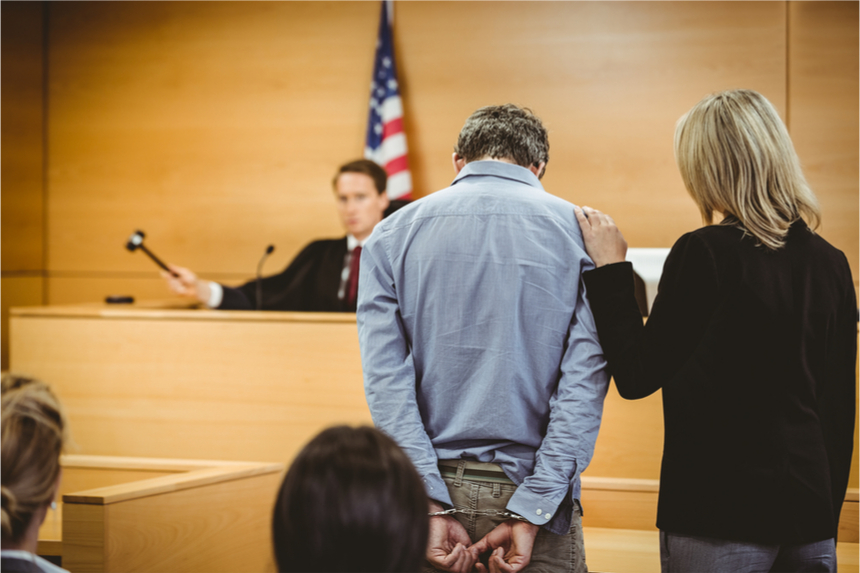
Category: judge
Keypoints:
(324, 276)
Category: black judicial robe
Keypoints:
(309, 283)
(754, 351)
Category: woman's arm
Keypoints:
(642, 359)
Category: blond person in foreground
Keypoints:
(34, 433)
(752, 339)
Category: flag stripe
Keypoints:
(392, 127)
(393, 146)
(397, 165)
(392, 108)
(399, 185)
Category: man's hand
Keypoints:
(187, 284)
(604, 243)
(448, 542)
(511, 543)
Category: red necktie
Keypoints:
(352, 281)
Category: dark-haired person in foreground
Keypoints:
(480, 354)
(351, 501)
(324, 275)
(753, 340)
(34, 434)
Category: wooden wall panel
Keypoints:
(609, 79)
(823, 113)
(630, 442)
(21, 152)
(616, 509)
(823, 119)
(86, 289)
(215, 127)
(21, 134)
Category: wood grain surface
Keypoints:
(21, 137)
(196, 384)
(200, 516)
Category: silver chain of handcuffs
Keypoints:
(481, 512)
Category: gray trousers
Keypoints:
(551, 553)
(686, 553)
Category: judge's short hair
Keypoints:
(351, 501)
(367, 167)
(736, 157)
(504, 132)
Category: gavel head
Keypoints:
(135, 241)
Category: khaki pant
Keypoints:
(551, 553)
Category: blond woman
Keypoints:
(752, 340)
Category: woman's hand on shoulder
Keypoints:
(604, 242)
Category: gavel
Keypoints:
(135, 242)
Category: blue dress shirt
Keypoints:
(477, 341)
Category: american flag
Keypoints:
(386, 141)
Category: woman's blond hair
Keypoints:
(736, 157)
(34, 432)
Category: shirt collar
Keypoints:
(499, 169)
(352, 242)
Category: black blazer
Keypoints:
(755, 353)
(309, 283)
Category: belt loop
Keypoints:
(461, 469)
(497, 490)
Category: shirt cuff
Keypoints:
(535, 508)
(216, 295)
(437, 490)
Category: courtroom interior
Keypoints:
(217, 128)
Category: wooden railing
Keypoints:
(162, 515)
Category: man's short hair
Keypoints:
(504, 132)
(369, 168)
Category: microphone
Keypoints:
(268, 252)
(135, 241)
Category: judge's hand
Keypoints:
(186, 283)
(448, 542)
(604, 243)
(511, 543)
